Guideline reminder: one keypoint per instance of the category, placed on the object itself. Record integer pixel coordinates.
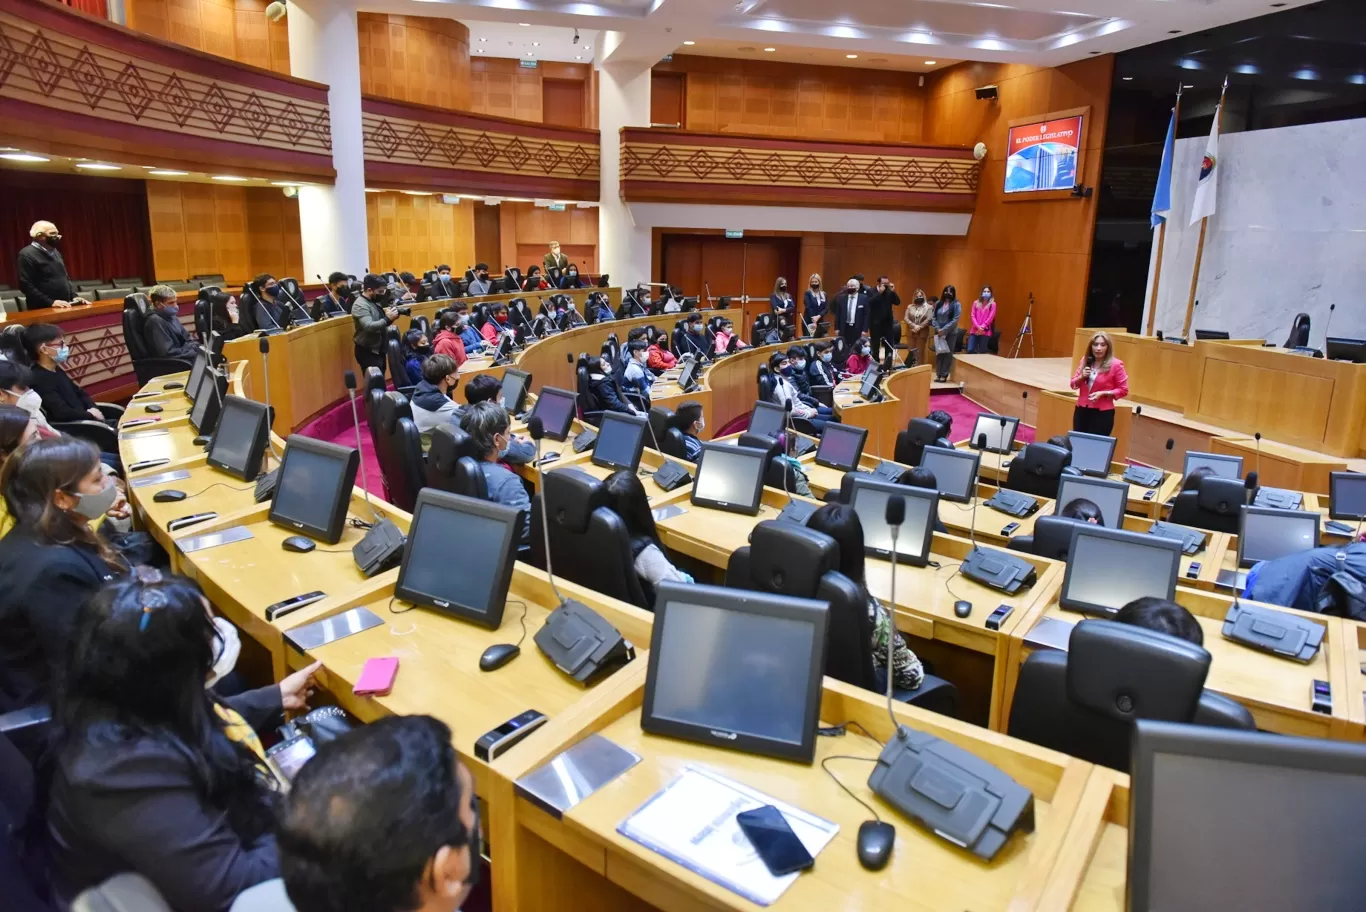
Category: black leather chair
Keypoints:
(136, 309)
(422, 323)
(451, 465)
(398, 370)
(513, 278)
(374, 380)
(765, 325)
(766, 386)
(1052, 538)
(398, 447)
(293, 299)
(588, 541)
(1214, 506)
(787, 559)
(1037, 469)
(1299, 332)
(590, 410)
(919, 433)
(1085, 702)
(612, 345)
(778, 473)
(374, 396)
(203, 312)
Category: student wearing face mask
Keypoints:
(659, 357)
(444, 286)
(785, 391)
(481, 284)
(488, 388)
(337, 301)
(42, 271)
(821, 371)
(570, 278)
(796, 357)
(264, 292)
(495, 325)
(469, 336)
(690, 421)
(163, 333)
(983, 322)
(814, 304)
(488, 425)
(694, 338)
(431, 401)
(604, 387)
(637, 378)
(63, 399)
(225, 317)
(16, 383)
(724, 336)
(862, 356)
(448, 341)
(416, 350)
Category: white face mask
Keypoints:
(228, 646)
(30, 402)
(701, 424)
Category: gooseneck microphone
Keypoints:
(264, 345)
(349, 378)
(790, 441)
(895, 515)
(1258, 437)
(536, 427)
(976, 480)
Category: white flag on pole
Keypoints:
(1205, 191)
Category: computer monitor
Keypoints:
(208, 401)
(503, 349)
(1109, 568)
(314, 488)
(917, 531)
(1347, 495)
(730, 478)
(767, 420)
(201, 361)
(556, 409)
(841, 446)
(1110, 496)
(955, 471)
(1265, 533)
(469, 581)
(1092, 453)
(999, 439)
(736, 668)
(1219, 464)
(240, 441)
(868, 388)
(1343, 349)
(515, 386)
(1228, 819)
(1209, 335)
(621, 438)
(688, 375)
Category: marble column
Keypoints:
(323, 47)
(624, 246)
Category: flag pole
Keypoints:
(1162, 229)
(1200, 249)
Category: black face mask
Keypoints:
(53, 242)
(483, 276)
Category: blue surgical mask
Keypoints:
(62, 354)
(800, 364)
(827, 357)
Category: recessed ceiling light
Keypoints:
(931, 62)
(483, 39)
(373, 190)
(23, 157)
(578, 56)
(418, 192)
(535, 44)
(530, 53)
(166, 172)
(1188, 87)
(480, 51)
(588, 47)
(284, 183)
(524, 24)
(98, 166)
(1127, 78)
(228, 177)
(851, 56)
(690, 43)
(769, 50)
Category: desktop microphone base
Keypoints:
(380, 549)
(581, 642)
(1002, 572)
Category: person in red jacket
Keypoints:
(496, 324)
(659, 358)
(1099, 380)
(447, 341)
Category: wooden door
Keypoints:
(667, 98)
(487, 240)
(562, 102)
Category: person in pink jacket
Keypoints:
(1099, 380)
(983, 319)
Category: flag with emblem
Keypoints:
(1205, 191)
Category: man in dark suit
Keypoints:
(882, 315)
(554, 259)
(851, 313)
(42, 271)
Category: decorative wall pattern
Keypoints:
(428, 147)
(672, 165)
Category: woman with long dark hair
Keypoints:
(946, 315)
(1100, 380)
(627, 498)
(17, 427)
(224, 316)
(154, 773)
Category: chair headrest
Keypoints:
(374, 379)
(137, 301)
(660, 416)
(1128, 673)
(925, 431)
(449, 443)
(1044, 459)
(1223, 496)
(571, 497)
(392, 407)
(760, 442)
(1053, 536)
(789, 559)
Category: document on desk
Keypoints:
(668, 512)
(692, 821)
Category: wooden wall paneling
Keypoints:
(486, 236)
(234, 29)
(526, 231)
(902, 258)
(166, 215)
(666, 98)
(562, 102)
(501, 87)
(723, 266)
(681, 259)
(230, 228)
(810, 259)
(417, 233)
(272, 229)
(419, 59)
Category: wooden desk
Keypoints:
(1281, 466)
(609, 871)
(1354, 697)
(906, 395)
(1276, 691)
(207, 490)
(1055, 408)
(649, 461)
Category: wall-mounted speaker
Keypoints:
(986, 92)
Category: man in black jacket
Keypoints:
(851, 313)
(163, 332)
(881, 315)
(42, 271)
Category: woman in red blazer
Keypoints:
(1099, 380)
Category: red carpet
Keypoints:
(964, 412)
(336, 426)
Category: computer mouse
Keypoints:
(962, 608)
(875, 841)
(298, 544)
(153, 408)
(168, 496)
(498, 655)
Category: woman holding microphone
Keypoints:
(1099, 380)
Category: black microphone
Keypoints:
(263, 343)
(1171, 443)
(895, 515)
(896, 511)
(349, 378)
(536, 428)
(976, 479)
(1258, 437)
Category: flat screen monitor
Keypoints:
(1217, 463)
(208, 401)
(688, 375)
(240, 441)
(1092, 453)
(1000, 438)
(1342, 349)
(841, 446)
(730, 478)
(621, 438)
(737, 669)
(1210, 335)
(955, 471)
(1111, 497)
(917, 531)
(314, 488)
(1347, 495)
(515, 386)
(1265, 533)
(868, 388)
(1227, 819)
(767, 420)
(201, 361)
(556, 409)
(1109, 568)
(470, 581)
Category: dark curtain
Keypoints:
(105, 232)
(93, 7)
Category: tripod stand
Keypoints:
(1026, 329)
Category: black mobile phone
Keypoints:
(1321, 698)
(778, 847)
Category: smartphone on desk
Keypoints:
(377, 677)
(777, 846)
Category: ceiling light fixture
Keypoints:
(23, 157)
(535, 44)
(229, 177)
(769, 50)
(525, 24)
(165, 172)
(851, 56)
(931, 62)
(418, 192)
(483, 39)
(98, 166)
(1127, 78)
(690, 43)
(1188, 87)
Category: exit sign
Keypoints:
(735, 232)
(556, 207)
(528, 64)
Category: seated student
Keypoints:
(821, 371)
(600, 311)
(337, 301)
(570, 278)
(444, 284)
(155, 775)
(1298, 580)
(470, 337)
(840, 522)
(163, 333)
(534, 281)
(431, 403)
(1163, 616)
(63, 399)
(627, 498)
(1084, 510)
(447, 341)
(796, 356)
(487, 424)
(921, 477)
(481, 283)
(17, 428)
(694, 338)
(495, 325)
(784, 391)
(225, 317)
(637, 378)
(724, 335)
(1192, 481)
(858, 362)
(486, 387)
(800, 483)
(416, 349)
(16, 388)
(398, 784)
(688, 419)
(270, 313)
(603, 385)
(1060, 440)
(945, 421)
(659, 358)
